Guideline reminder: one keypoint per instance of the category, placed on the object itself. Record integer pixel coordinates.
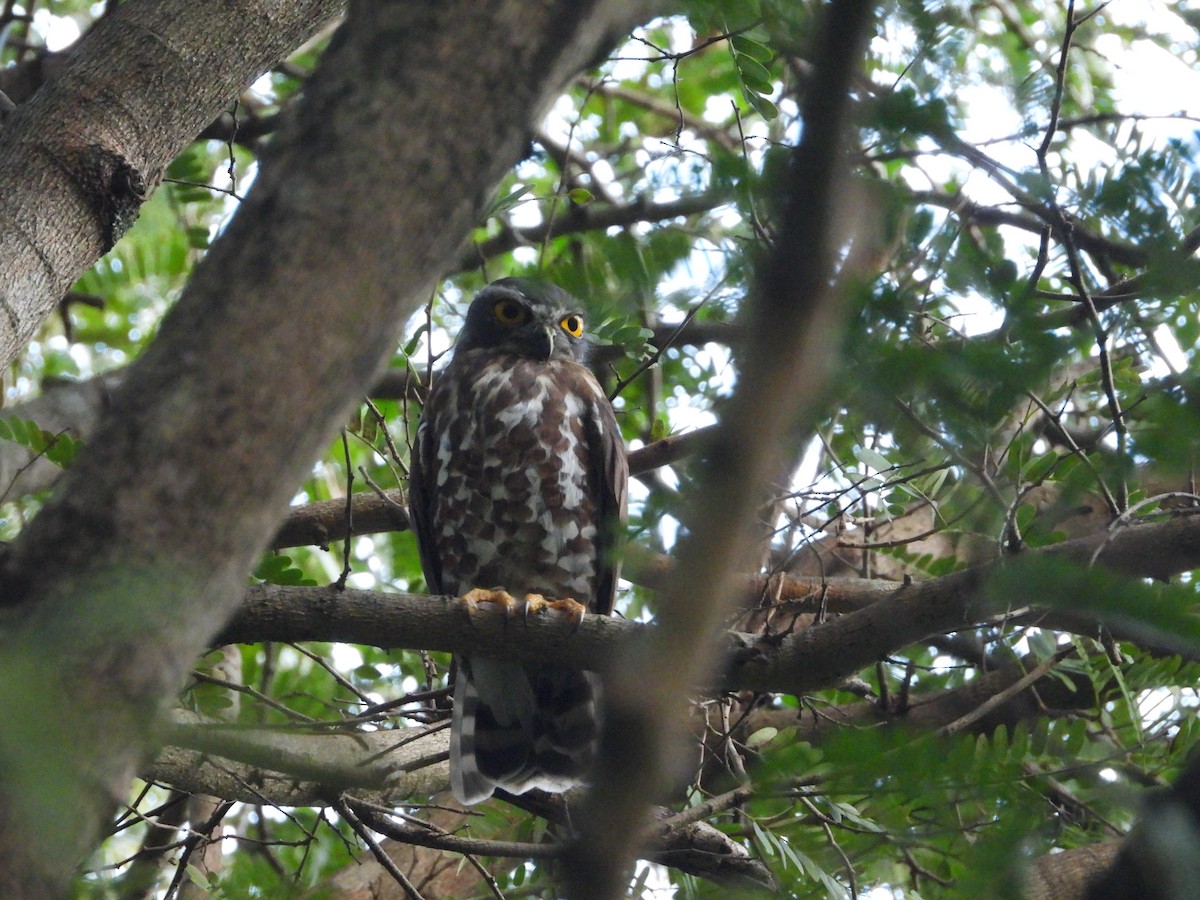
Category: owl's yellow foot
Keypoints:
(502, 599)
(567, 607)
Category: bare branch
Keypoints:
(885, 619)
(592, 217)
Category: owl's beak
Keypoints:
(544, 343)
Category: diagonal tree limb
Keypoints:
(139, 559)
(81, 155)
(207, 772)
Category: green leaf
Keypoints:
(751, 48)
(508, 201)
(60, 449)
(761, 737)
(872, 458)
(755, 75)
(1043, 643)
(63, 450)
(1040, 468)
(197, 236)
(411, 347)
(762, 105)
(278, 569)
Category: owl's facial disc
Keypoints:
(526, 318)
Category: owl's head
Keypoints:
(534, 319)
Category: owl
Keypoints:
(518, 481)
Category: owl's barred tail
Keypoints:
(519, 726)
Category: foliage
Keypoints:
(60, 449)
(1017, 373)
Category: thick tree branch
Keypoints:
(294, 768)
(378, 771)
(794, 322)
(926, 712)
(883, 618)
(138, 561)
(81, 155)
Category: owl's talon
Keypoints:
(567, 607)
(501, 598)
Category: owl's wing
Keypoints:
(422, 480)
(609, 478)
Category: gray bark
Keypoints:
(881, 618)
(302, 769)
(79, 158)
(416, 111)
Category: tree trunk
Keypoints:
(416, 111)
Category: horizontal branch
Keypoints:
(883, 621)
(321, 523)
(381, 770)
(1033, 223)
(927, 712)
(302, 768)
(592, 217)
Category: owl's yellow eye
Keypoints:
(572, 325)
(510, 312)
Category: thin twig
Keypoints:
(1075, 267)
(426, 836)
(996, 700)
(387, 435)
(343, 809)
(340, 584)
(653, 359)
(1075, 449)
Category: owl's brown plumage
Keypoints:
(518, 481)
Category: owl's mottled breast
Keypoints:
(510, 447)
